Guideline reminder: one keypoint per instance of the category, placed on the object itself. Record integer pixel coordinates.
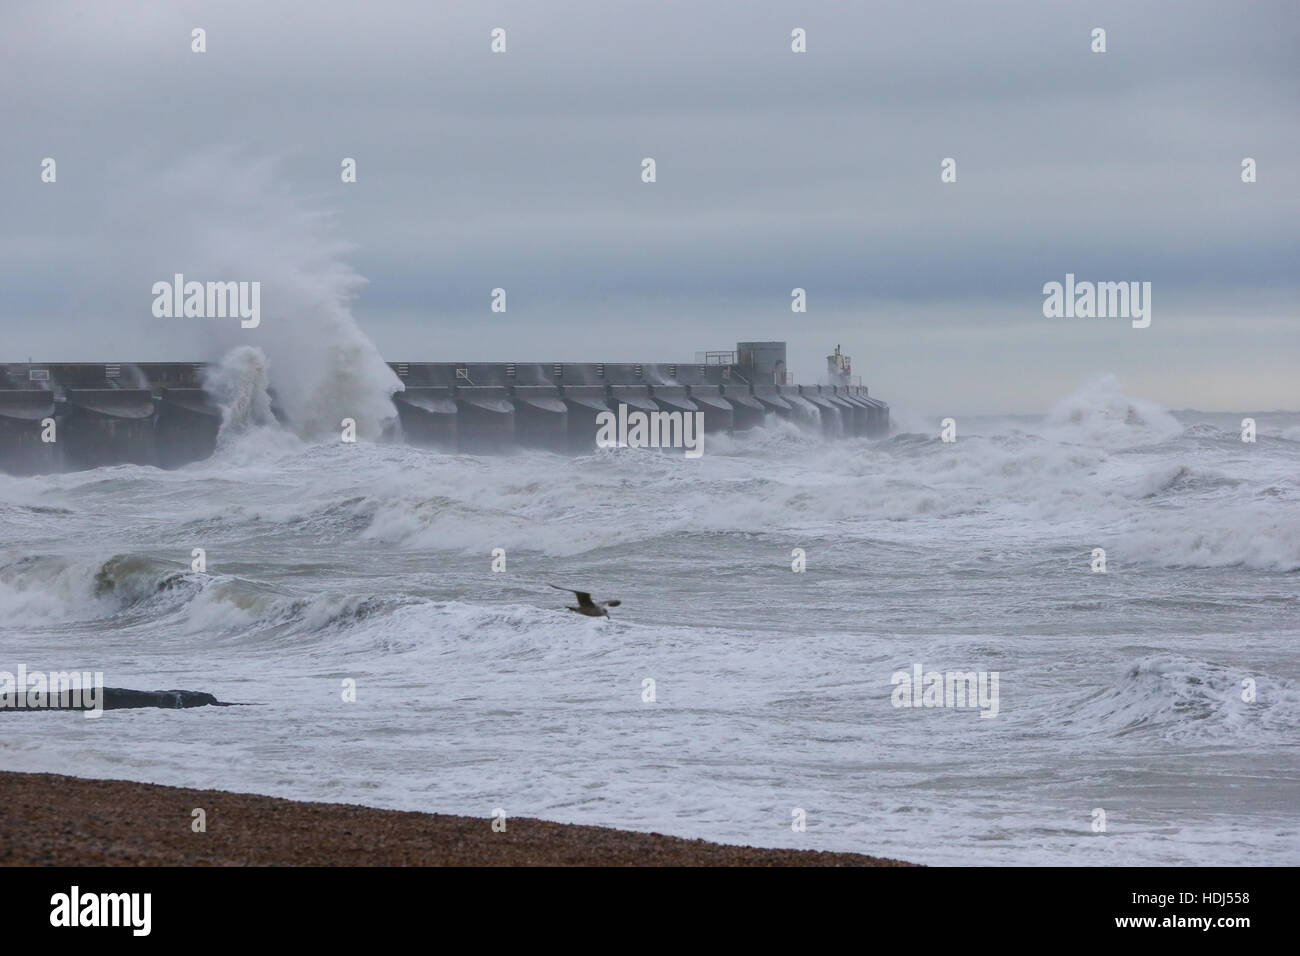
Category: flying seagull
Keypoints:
(586, 605)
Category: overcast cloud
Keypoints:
(775, 170)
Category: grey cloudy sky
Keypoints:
(775, 170)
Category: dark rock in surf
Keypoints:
(121, 698)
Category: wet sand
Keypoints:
(52, 820)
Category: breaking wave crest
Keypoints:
(1178, 699)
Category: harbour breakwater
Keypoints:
(68, 417)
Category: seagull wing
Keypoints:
(610, 603)
(584, 597)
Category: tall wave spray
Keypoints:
(221, 218)
(1099, 411)
(240, 384)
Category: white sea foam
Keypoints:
(372, 562)
(1099, 413)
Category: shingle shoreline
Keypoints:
(53, 820)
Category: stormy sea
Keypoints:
(1130, 575)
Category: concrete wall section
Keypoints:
(485, 418)
(746, 410)
(633, 396)
(22, 414)
(673, 398)
(770, 397)
(719, 411)
(826, 414)
(861, 410)
(107, 426)
(843, 410)
(583, 403)
(541, 417)
(186, 426)
(428, 416)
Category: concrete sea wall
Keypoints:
(59, 417)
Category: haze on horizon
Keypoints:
(775, 170)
